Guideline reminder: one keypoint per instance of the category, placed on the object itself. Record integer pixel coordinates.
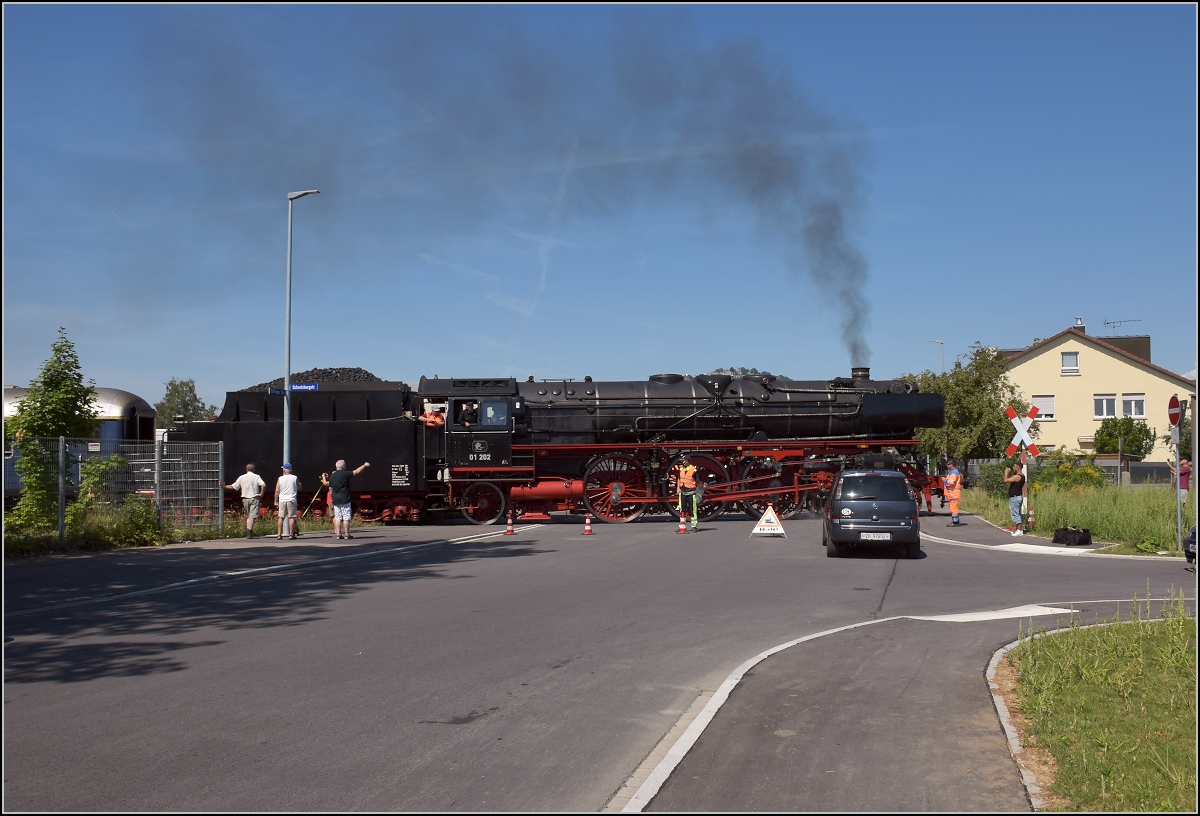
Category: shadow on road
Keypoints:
(140, 635)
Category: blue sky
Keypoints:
(613, 191)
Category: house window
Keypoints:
(1070, 362)
(1105, 405)
(1133, 405)
(1045, 406)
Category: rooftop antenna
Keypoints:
(1112, 324)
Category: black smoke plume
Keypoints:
(484, 118)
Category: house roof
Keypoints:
(1017, 357)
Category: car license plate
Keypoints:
(876, 536)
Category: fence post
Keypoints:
(158, 455)
(62, 488)
(221, 493)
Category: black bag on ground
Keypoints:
(1073, 536)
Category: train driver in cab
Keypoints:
(434, 417)
(468, 414)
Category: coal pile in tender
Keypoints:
(320, 375)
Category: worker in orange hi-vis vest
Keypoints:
(953, 489)
(688, 506)
(434, 417)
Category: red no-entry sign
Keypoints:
(1173, 410)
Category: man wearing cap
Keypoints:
(286, 490)
(434, 418)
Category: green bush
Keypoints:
(94, 477)
(992, 478)
(134, 523)
(1064, 469)
(36, 510)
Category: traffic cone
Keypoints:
(509, 530)
(587, 524)
(682, 524)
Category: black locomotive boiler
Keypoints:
(611, 449)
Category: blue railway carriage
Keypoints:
(122, 416)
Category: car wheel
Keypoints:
(832, 550)
(914, 549)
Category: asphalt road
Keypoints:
(430, 669)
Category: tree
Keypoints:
(976, 394)
(1124, 435)
(181, 400)
(57, 403)
(1185, 438)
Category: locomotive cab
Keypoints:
(433, 444)
(480, 435)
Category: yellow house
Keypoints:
(1076, 381)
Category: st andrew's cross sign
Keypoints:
(1022, 436)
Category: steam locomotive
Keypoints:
(611, 449)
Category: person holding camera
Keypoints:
(1014, 476)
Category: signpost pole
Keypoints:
(1192, 490)
(1175, 415)
(1178, 502)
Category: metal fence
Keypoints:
(182, 479)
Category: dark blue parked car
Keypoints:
(869, 508)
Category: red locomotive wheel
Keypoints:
(760, 476)
(610, 482)
(709, 472)
(482, 503)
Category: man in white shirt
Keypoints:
(251, 486)
(286, 490)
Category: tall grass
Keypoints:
(1143, 517)
(1116, 707)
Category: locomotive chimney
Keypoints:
(860, 373)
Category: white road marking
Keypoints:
(1032, 549)
(658, 776)
(1027, 611)
(649, 789)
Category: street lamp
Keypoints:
(943, 345)
(287, 336)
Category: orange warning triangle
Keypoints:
(769, 524)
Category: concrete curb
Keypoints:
(1033, 791)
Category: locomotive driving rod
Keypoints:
(573, 489)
